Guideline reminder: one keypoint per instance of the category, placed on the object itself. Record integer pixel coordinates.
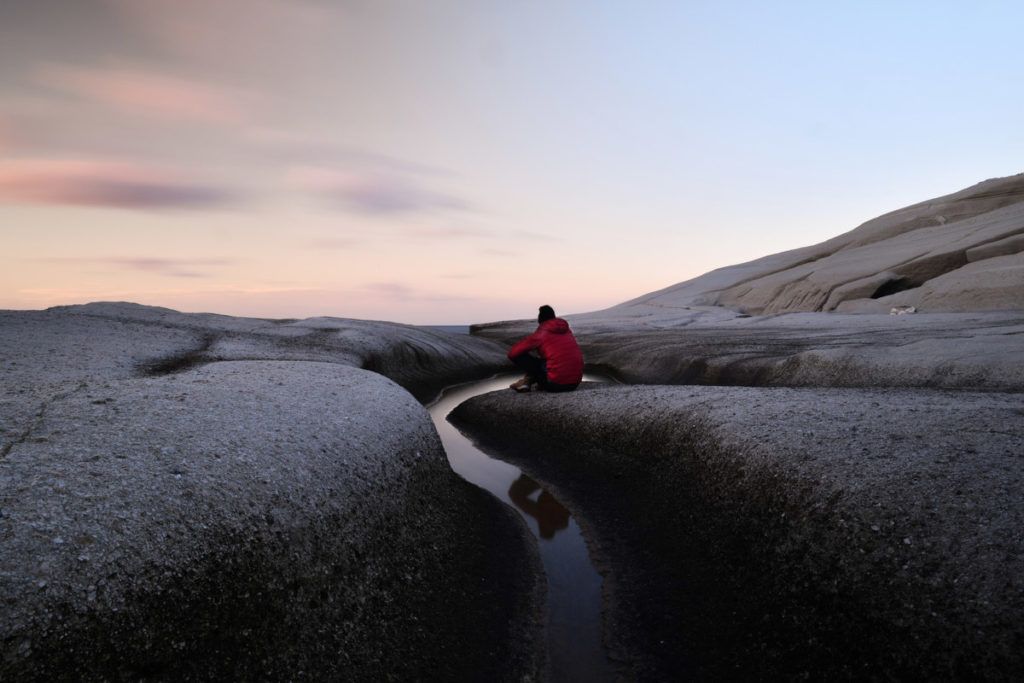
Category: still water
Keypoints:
(575, 652)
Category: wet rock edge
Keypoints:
(716, 569)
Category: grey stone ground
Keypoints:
(716, 346)
(196, 496)
(203, 496)
(799, 533)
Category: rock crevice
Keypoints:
(754, 533)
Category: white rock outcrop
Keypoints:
(960, 252)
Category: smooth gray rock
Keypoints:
(982, 350)
(422, 360)
(991, 283)
(168, 513)
(789, 533)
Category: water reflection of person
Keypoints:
(550, 515)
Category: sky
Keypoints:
(450, 162)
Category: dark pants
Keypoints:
(537, 371)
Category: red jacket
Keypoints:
(556, 345)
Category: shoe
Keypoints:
(521, 385)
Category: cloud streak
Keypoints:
(334, 243)
(374, 193)
(230, 32)
(104, 184)
(402, 292)
(140, 91)
(304, 150)
(184, 268)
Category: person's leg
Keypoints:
(535, 368)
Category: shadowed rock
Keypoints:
(788, 533)
(167, 512)
(815, 532)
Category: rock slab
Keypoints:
(937, 255)
(168, 513)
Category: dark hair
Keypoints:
(546, 313)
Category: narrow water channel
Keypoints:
(575, 652)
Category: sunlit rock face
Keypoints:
(960, 252)
(199, 496)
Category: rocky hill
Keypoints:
(810, 317)
(960, 252)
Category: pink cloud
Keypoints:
(399, 291)
(502, 253)
(149, 93)
(304, 149)
(373, 193)
(170, 267)
(448, 232)
(103, 183)
(161, 266)
(12, 134)
(334, 243)
(231, 32)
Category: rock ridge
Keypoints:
(960, 252)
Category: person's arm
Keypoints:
(525, 345)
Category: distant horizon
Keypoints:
(415, 162)
(528, 316)
(427, 322)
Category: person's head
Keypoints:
(545, 313)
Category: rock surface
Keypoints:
(700, 346)
(906, 257)
(797, 533)
(421, 359)
(818, 316)
(279, 513)
(864, 522)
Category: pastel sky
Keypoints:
(463, 161)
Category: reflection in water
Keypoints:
(575, 652)
(550, 515)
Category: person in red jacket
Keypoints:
(559, 363)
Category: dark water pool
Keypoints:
(575, 652)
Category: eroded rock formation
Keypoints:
(788, 533)
(189, 496)
(960, 252)
(849, 507)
